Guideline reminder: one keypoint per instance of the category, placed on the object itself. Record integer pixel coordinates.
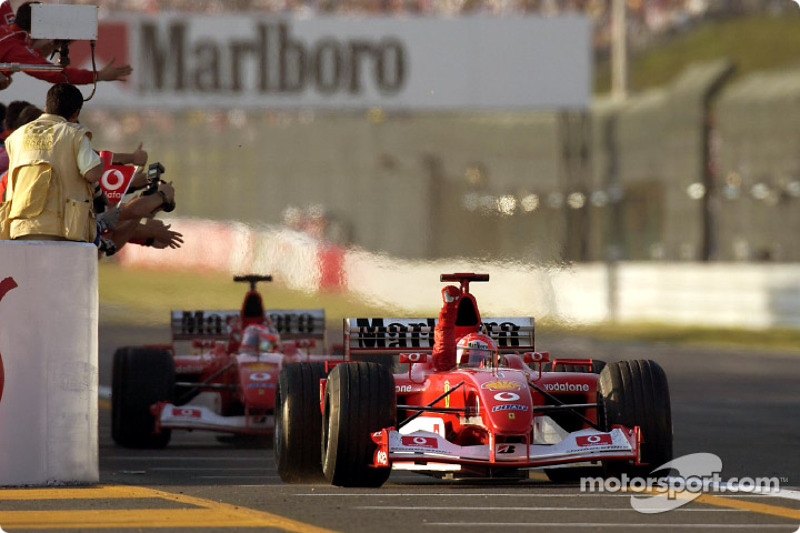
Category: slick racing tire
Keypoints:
(140, 378)
(298, 423)
(574, 474)
(360, 399)
(636, 393)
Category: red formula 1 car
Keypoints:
(211, 377)
(494, 417)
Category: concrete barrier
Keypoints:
(48, 342)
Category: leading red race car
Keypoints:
(219, 373)
(492, 416)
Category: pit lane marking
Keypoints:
(205, 513)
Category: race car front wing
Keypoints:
(431, 449)
(171, 416)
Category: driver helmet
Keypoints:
(475, 349)
(259, 338)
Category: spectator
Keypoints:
(16, 46)
(123, 224)
(52, 167)
(28, 114)
(12, 112)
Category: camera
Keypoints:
(154, 172)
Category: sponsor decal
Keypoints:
(115, 181)
(187, 412)
(260, 376)
(506, 448)
(447, 398)
(501, 385)
(260, 386)
(511, 416)
(403, 388)
(566, 387)
(509, 407)
(400, 333)
(382, 458)
(593, 440)
(420, 442)
(506, 397)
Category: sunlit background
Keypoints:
(684, 167)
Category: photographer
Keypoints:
(123, 224)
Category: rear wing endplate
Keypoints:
(373, 336)
(213, 325)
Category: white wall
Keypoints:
(48, 342)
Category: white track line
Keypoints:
(491, 526)
(533, 509)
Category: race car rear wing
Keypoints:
(373, 336)
(213, 325)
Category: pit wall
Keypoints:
(753, 295)
(48, 342)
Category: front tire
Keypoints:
(140, 378)
(360, 399)
(298, 423)
(636, 393)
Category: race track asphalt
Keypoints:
(741, 405)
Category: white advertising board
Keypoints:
(473, 63)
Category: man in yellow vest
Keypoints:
(52, 169)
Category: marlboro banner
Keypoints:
(185, 61)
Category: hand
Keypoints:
(5, 81)
(163, 235)
(139, 180)
(139, 156)
(451, 294)
(111, 72)
(168, 190)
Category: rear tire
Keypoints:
(360, 399)
(298, 423)
(636, 393)
(140, 378)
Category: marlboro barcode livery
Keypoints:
(219, 374)
(465, 397)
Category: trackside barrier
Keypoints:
(48, 345)
(748, 295)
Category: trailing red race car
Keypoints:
(219, 373)
(488, 406)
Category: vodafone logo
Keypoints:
(414, 358)
(506, 397)
(566, 387)
(112, 181)
(420, 442)
(260, 376)
(593, 440)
